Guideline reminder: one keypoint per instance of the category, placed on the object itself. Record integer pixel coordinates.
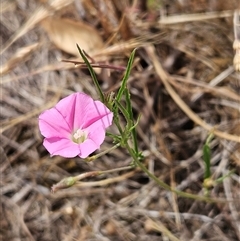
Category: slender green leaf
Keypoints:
(207, 159)
(220, 179)
(130, 113)
(126, 76)
(93, 75)
(123, 110)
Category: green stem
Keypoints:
(125, 78)
(130, 113)
(167, 187)
(116, 122)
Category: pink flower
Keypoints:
(75, 126)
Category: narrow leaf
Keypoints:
(93, 75)
(207, 158)
(131, 119)
(126, 76)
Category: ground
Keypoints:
(184, 86)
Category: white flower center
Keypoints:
(80, 136)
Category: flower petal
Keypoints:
(96, 134)
(97, 111)
(62, 147)
(73, 109)
(87, 147)
(52, 124)
(75, 112)
(103, 122)
(80, 111)
(95, 139)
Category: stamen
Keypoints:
(80, 136)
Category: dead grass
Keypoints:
(184, 85)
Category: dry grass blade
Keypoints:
(39, 14)
(232, 207)
(5, 125)
(218, 79)
(210, 87)
(164, 77)
(236, 44)
(7, 6)
(201, 58)
(194, 17)
(107, 181)
(19, 57)
(129, 45)
(41, 70)
(151, 225)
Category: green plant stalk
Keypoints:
(134, 154)
(123, 110)
(131, 127)
(220, 179)
(207, 156)
(164, 185)
(116, 121)
(126, 76)
(93, 75)
(119, 95)
(113, 136)
(207, 160)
